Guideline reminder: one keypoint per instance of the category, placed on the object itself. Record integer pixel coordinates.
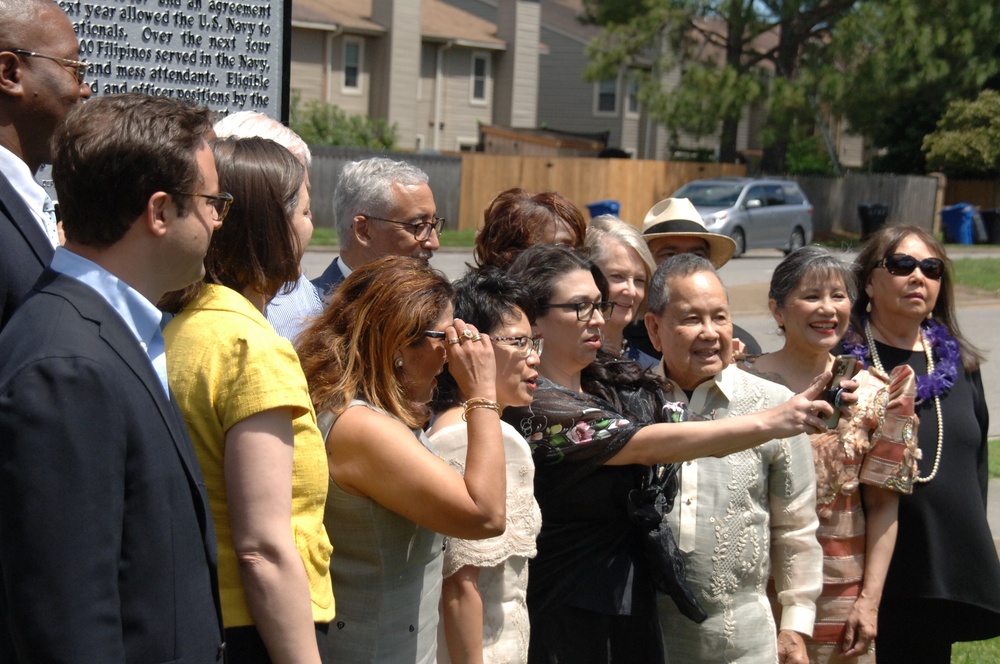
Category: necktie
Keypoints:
(49, 217)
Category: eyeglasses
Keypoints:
(421, 230)
(902, 265)
(434, 334)
(524, 345)
(585, 310)
(220, 202)
(80, 67)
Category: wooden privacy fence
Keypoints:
(464, 184)
(635, 184)
(984, 193)
(911, 199)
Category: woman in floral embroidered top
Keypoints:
(590, 596)
(861, 467)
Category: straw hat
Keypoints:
(678, 217)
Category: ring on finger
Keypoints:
(467, 333)
(838, 400)
(454, 340)
(477, 337)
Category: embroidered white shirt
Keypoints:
(739, 519)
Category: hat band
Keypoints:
(676, 226)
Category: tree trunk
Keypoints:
(727, 140)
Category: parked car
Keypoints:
(756, 212)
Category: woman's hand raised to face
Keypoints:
(471, 361)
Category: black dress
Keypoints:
(943, 583)
(590, 596)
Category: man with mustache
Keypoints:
(382, 208)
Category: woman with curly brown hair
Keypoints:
(371, 360)
(517, 219)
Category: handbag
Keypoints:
(646, 507)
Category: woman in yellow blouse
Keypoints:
(247, 407)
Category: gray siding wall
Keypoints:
(516, 75)
(565, 100)
(396, 65)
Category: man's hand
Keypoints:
(791, 648)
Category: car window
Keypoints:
(793, 195)
(757, 192)
(710, 194)
(775, 194)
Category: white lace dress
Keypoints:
(503, 560)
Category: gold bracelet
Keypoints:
(479, 402)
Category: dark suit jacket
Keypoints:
(107, 549)
(24, 250)
(329, 280)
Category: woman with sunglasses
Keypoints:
(943, 583)
(245, 401)
(483, 609)
(590, 592)
(371, 360)
(863, 464)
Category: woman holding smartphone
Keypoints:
(863, 463)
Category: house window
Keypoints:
(607, 96)
(353, 53)
(632, 102)
(480, 74)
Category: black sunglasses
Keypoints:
(902, 265)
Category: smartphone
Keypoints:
(843, 368)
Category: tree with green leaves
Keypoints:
(897, 64)
(328, 124)
(966, 142)
(763, 47)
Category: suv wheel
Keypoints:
(741, 242)
(797, 241)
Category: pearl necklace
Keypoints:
(937, 398)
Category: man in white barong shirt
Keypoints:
(741, 518)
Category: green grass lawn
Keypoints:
(980, 273)
(450, 238)
(976, 652)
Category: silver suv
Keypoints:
(756, 212)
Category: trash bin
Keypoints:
(604, 207)
(872, 217)
(958, 222)
(991, 220)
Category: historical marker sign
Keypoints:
(230, 55)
